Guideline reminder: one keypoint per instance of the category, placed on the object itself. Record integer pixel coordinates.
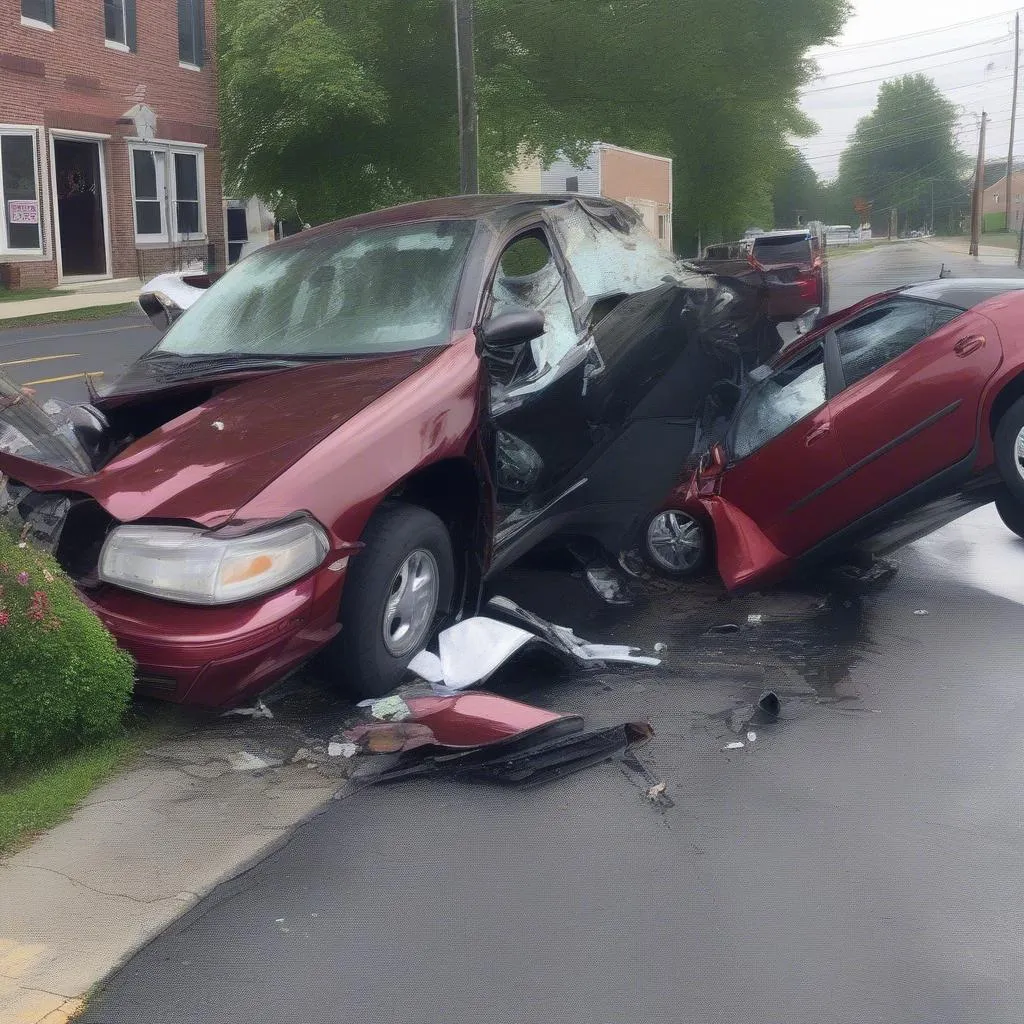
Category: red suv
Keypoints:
(887, 421)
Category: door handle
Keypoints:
(817, 434)
(965, 346)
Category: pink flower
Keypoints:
(4, 619)
(39, 608)
(22, 578)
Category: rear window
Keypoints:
(782, 250)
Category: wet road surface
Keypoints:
(860, 860)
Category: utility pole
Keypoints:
(979, 180)
(469, 151)
(1013, 123)
(931, 221)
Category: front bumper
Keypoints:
(219, 657)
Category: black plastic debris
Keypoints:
(725, 628)
(769, 704)
(526, 761)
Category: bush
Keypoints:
(63, 680)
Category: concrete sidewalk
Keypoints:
(99, 293)
(144, 847)
(959, 247)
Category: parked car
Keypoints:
(790, 265)
(335, 443)
(885, 422)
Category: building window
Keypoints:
(572, 184)
(190, 32)
(186, 192)
(238, 232)
(19, 193)
(119, 23)
(168, 189)
(40, 11)
(662, 226)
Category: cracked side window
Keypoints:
(528, 278)
(777, 403)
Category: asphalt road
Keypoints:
(54, 358)
(861, 860)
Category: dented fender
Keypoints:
(745, 556)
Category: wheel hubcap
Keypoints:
(411, 604)
(1018, 452)
(675, 541)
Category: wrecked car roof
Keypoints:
(497, 209)
(964, 292)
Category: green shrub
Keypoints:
(63, 680)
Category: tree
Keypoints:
(798, 197)
(334, 106)
(902, 153)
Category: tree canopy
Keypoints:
(799, 195)
(905, 148)
(330, 107)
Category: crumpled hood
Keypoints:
(208, 462)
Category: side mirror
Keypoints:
(506, 330)
(160, 308)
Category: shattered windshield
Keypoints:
(366, 293)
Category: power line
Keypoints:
(916, 35)
(923, 56)
(887, 78)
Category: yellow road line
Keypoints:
(38, 359)
(57, 380)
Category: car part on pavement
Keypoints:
(565, 641)
(677, 543)
(770, 704)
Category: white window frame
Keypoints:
(168, 210)
(116, 44)
(33, 133)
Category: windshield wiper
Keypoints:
(175, 364)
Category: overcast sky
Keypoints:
(967, 48)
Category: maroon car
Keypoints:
(886, 422)
(347, 432)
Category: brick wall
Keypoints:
(68, 79)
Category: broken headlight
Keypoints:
(195, 567)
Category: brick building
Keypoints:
(109, 145)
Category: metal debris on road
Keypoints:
(243, 761)
(258, 710)
(655, 792)
(473, 650)
(921, 611)
(735, 745)
(387, 709)
(342, 749)
(564, 640)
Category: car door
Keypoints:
(540, 430)
(912, 377)
(782, 448)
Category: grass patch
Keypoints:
(6, 295)
(35, 799)
(63, 316)
(1002, 239)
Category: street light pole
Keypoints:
(979, 179)
(1013, 122)
(469, 174)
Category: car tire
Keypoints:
(1008, 438)
(1011, 511)
(407, 559)
(677, 544)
